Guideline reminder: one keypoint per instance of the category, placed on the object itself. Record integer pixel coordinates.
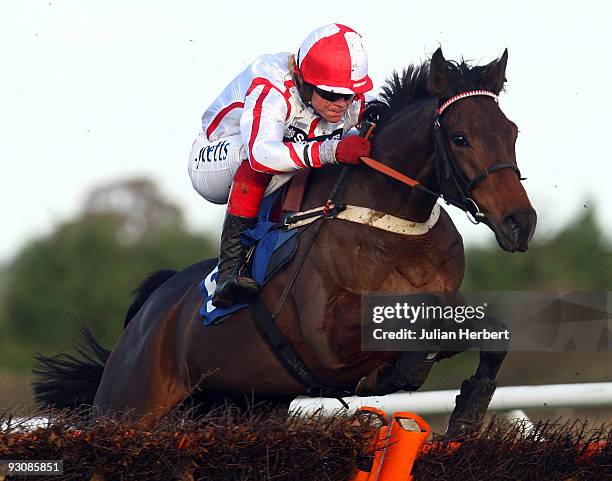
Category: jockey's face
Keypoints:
(330, 111)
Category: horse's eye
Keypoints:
(460, 140)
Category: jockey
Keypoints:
(284, 112)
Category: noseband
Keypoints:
(447, 168)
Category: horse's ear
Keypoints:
(437, 83)
(496, 74)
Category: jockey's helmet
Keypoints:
(333, 58)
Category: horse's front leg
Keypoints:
(409, 370)
(476, 392)
(408, 373)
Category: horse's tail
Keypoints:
(65, 381)
(144, 290)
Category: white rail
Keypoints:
(506, 398)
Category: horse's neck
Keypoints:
(406, 144)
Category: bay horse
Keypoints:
(165, 355)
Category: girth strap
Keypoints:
(285, 353)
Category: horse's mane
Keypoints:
(409, 87)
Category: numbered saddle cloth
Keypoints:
(273, 246)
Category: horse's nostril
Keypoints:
(512, 222)
(517, 228)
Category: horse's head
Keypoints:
(475, 148)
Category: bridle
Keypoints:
(446, 164)
(446, 167)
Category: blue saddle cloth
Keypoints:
(274, 247)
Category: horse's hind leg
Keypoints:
(145, 374)
(476, 392)
(140, 390)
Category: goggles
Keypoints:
(333, 96)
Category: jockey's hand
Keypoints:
(350, 148)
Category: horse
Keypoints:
(439, 125)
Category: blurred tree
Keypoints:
(4, 272)
(3, 277)
(87, 268)
(138, 206)
(577, 258)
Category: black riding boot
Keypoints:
(231, 286)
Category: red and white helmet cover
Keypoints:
(334, 58)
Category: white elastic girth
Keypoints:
(379, 220)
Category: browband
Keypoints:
(462, 95)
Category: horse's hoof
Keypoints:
(375, 383)
(459, 431)
(470, 408)
(366, 386)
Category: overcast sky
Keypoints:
(93, 91)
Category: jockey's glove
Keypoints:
(351, 148)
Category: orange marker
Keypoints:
(406, 435)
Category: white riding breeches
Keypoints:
(212, 166)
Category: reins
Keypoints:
(415, 184)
